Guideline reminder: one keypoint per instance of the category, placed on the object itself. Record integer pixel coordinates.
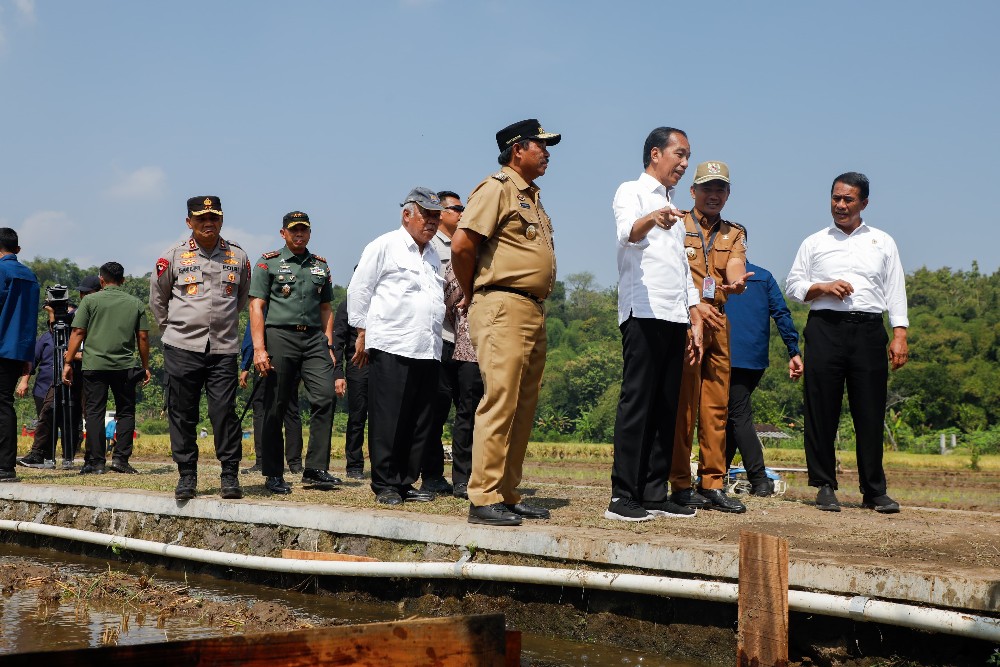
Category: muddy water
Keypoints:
(28, 624)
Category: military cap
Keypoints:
(295, 218)
(711, 171)
(525, 129)
(89, 284)
(424, 198)
(204, 204)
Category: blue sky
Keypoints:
(114, 112)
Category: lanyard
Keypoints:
(711, 241)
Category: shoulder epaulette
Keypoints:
(500, 176)
(234, 244)
(321, 259)
(736, 225)
(271, 255)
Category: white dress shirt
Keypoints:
(867, 258)
(654, 277)
(397, 297)
(442, 244)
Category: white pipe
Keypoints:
(859, 608)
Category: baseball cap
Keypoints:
(425, 198)
(89, 284)
(711, 171)
(294, 219)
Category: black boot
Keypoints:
(187, 485)
(230, 487)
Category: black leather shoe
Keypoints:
(319, 479)
(718, 500)
(496, 514)
(295, 468)
(415, 496)
(187, 487)
(123, 467)
(689, 498)
(762, 488)
(389, 497)
(277, 485)
(255, 468)
(355, 474)
(92, 469)
(826, 499)
(882, 504)
(436, 485)
(461, 490)
(527, 511)
(9, 476)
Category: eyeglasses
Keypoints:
(457, 208)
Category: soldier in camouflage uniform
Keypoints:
(196, 294)
(291, 324)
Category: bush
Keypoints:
(155, 427)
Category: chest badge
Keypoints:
(530, 233)
(285, 290)
(690, 253)
(192, 290)
(229, 290)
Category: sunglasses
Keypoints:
(457, 208)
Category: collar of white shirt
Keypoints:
(655, 186)
(862, 226)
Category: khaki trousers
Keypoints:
(705, 395)
(508, 332)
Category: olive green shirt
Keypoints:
(293, 286)
(111, 318)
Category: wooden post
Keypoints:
(456, 641)
(763, 601)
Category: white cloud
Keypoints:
(49, 234)
(143, 183)
(27, 9)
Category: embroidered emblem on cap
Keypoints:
(207, 202)
(713, 168)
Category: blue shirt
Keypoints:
(749, 325)
(246, 350)
(43, 364)
(18, 310)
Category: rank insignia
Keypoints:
(285, 290)
(690, 253)
(161, 266)
(187, 262)
(190, 279)
(530, 233)
(522, 198)
(192, 290)
(188, 255)
(192, 244)
(229, 290)
(230, 253)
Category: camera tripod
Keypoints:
(63, 413)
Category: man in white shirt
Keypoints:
(656, 305)
(850, 274)
(396, 302)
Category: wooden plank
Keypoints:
(325, 555)
(458, 641)
(513, 655)
(763, 601)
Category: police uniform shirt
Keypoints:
(196, 296)
(294, 287)
(728, 240)
(518, 250)
(867, 258)
(654, 279)
(397, 296)
(442, 245)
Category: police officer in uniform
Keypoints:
(294, 338)
(504, 259)
(716, 252)
(196, 294)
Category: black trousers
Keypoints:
(50, 419)
(297, 355)
(357, 415)
(188, 374)
(292, 423)
(652, 362)
(10, 373)
(122, 385)
(839, 353)
(400, 416)
(740, 433)
(460, 384)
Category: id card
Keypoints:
(708, 288)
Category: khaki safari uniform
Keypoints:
(705, 386)
(294, 287)
(515, 272)
(196, 298)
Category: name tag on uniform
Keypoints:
(523, 205)
(708, 288)
(317, 271)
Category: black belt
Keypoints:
(512, 290)
(294, 327)
(846, 316)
